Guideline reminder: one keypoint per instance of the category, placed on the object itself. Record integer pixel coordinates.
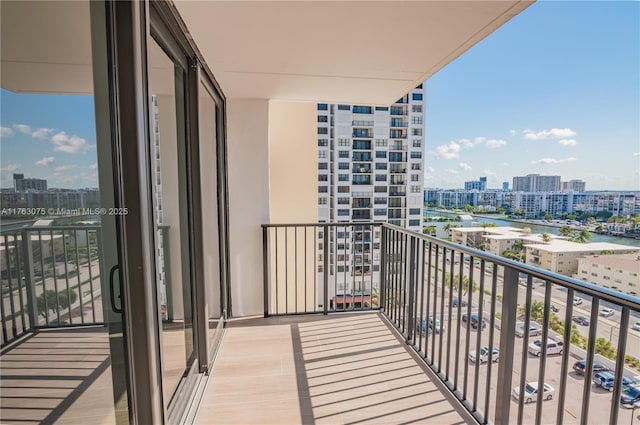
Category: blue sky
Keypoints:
(555, 91)
(50, 137)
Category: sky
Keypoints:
(49, 137)
(554, 91)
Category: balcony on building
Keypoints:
(325, 320)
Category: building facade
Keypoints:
(619, 272)
(536, 183)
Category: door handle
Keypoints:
(112, 297)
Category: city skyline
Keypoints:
(555, 91)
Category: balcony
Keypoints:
(378, 361)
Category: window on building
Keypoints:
(415, 189)
(416, 132)
(382, 108)
(362, 109)
(416, 108)
(343, 189)
(416, 166)
(395, 157)
(414, 222)
(417, 143)
(379, 201)
(381, 143)
(414, 211)
(343, 201)
(343, 165)
(379, 211)
(381, 177)
(344, 107)
(322, 154)
(323, 177)
(323, 166)
(416, 119)
(381, 165)
(323, 142)
(323, 189)
(343, 154)
(343, 212)
(322, 201)
(380, 189)
(415, 177)
(416, 96)
(343, 177)
(416, 155)
(381, 154)
(323, 107)
(323, 130)
(323, 118)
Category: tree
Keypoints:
(537, 311)
(55, 302)
(566, 231)
(485, 225)
(546, 238)
(583, 237)
(465, 284)
(429, 230)
(604, 348)
(547, 217)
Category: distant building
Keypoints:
(536, 183)
(495, 240)
(573, 186)
(20, 184)
(562, 256)
(620, 272)
(505, 186)
(480, 185)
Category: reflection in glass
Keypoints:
(173, 280)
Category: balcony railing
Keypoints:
(50, 278)
(450, 301)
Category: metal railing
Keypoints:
(50, 277)
(448, 301)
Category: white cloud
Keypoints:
(505, 164)
(73, 144)
(430, 170)
(22, 128)
(464, 166)
(553, 160)
(63, 168)
(636, 154)
(47, 160)
(41, 134)
(10, 168)
(567, 142)
(451, 171)
(513, 132)
(488, 172)
(554, 133)
(6, 132)
(494, 144)
(449, 151)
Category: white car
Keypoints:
(535, 329)
(636, 326)
(553, 347)
(606, 312)
(577, 300)
(484, 355)
(531, 392)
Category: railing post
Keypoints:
(265, 271)
(382, 292)
(325, 271)
(32, 302)
(507, 336)
(412, 284)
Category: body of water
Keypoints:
(535, 228)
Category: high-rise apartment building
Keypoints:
(370, 162)
(480, 185)
(578, 186)
(22, 184)
(370, 169)
(536, 183)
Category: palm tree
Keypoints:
(546, 238)
(583, 237)
(429, 230)
(566, 231)
(465, 284)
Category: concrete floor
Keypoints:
(314, 369)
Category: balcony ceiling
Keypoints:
(336, 51)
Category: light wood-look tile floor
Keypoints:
(335, 369)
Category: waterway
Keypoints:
(535, 228)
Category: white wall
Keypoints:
(248, 178)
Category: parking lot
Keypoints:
(600, 400)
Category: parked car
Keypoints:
(438, 326)
(423, 326)
(531, 392)
(606, 380)
(484, 355)
(475, 320)
(554, 308)
(606, 312)
(553, 347)
(581, 365)
(455, 303)
(636, 326)
(577, 300)
(581, 320)
(534, 329)
(630, 394)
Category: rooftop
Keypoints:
(621, 261)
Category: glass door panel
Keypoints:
(171, 212)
